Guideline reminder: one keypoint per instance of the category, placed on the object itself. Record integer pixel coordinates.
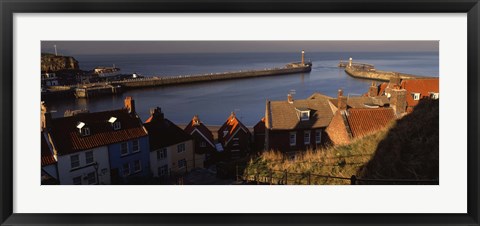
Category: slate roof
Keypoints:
(47, 155)
(67, 138)
(201, 129)
(282, 115)
(164, 133)
(363, 121)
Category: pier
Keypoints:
(368, 71)
(113, 87)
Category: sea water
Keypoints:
(214, 101)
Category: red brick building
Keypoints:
(234, 137)
(293, 125)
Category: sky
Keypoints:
(73, 48)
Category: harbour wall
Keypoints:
(378, 75)
(176, 80)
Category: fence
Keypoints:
(272, 177)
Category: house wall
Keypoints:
(117, 160)
(259, 136)
(100, 155)
(280, 140)
(243, 146)
(188, 155)
(198, 138)
(156, 163)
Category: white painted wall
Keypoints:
(156, 163)
(100, 155)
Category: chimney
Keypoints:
(157, 114)
(290, 98)
(46, 117)
(130, 105)
(342, 101)
(395, 82)
(195, 120)
(373, 90)
(398, 101)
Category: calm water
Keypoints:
(214, 101)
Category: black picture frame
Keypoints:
(9, 7)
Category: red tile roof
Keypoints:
(363, 121)
(231, 125)
(47, 154)
(422, 86)
(67, 139)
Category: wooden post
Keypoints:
(309, 178)
(286, 177)
(353, 180)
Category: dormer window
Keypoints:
(115, 123)
(434, 95)
(304, 114)
(225, 133)
(83, 129)
(416, 96)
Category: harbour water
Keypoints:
(214, 101)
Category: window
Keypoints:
(91, 179)
(136, 146)
(137, 166)
(305, 115)
(180, 148)
(306, 137)
(77, 180)
(416, 96)
(318, 136)
(74, 161)
(203, 144)
(117, 126)
(236, 142)
(293, 138)
(163, 170)
(162, 153)
(124, 148)
(225, 133)
(434, 95)
(85, 131)
(89, 157)
(126, 169)
(182, 163)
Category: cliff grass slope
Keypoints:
(407, 149)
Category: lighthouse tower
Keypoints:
(350, 62)
(303, 57)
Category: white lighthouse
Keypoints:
(303, 57)
(350, 62)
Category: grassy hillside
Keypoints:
(407, 149)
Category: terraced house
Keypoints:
(205, 150)
(295, 125)
(109, 147)
(171, 149)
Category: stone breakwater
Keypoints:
(176, 80)
(378, 75)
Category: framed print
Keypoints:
(252, 113)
